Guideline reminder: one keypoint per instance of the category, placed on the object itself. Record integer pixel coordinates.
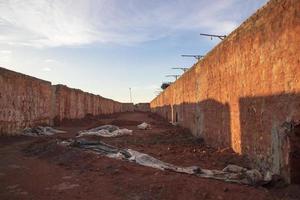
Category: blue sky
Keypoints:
(107, 46)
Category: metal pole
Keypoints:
(221, 37)
(198, 57)
(175, 76)
(184, 69)
(130, 95)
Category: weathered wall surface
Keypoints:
(75, 104)
(27, 101)
(142, 107)
(245, 89)
(24, 101)
(128, 107)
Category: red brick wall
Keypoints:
(75, 104)
(24, 101)
(128, 107)
(142, 107)
(242, 92)
(27, 101)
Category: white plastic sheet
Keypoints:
(144, 126)
(231, 173)
(149, 161)
(106, 131)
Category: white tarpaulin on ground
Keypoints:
(41, 131)
(231, 173)
(144, 126)
(149, 161)
(106, 131)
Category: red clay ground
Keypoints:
(38, 168)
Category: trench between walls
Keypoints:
(27, 101)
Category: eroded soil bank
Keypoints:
(39, 168)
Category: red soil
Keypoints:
(38, 168)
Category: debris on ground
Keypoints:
(231, 173)
(64, 186)
(144, 126)
(106, 131)
(234, 169)
(41, 131)
(174, 123)
(149, 161)
(66, 165)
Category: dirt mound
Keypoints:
(50, 150)
(121, 123)
(9, 140)
(43, 148)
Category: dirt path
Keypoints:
(38, 168)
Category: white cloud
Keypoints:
(5, 57)
(5, 51)
(46, 69)
(146, 87)
(50, 61)
(50, 64)
(47, 23)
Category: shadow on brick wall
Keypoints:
(267, 124)
(208, 119)
(268, 127)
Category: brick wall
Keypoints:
(245, 89)
(128, 107)
(27, 101)
(142, 107)
(24, 101)
(75, 104)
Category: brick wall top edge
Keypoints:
(61, 86)
(4, 71)
(178, 80)
(13, 73)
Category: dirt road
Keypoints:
(39, 168)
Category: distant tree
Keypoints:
(165, 85)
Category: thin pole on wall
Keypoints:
(184, 69)
(130, 95)
(198, 57)
(221, 37)
(175, 76)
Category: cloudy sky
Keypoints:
(107, 46)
